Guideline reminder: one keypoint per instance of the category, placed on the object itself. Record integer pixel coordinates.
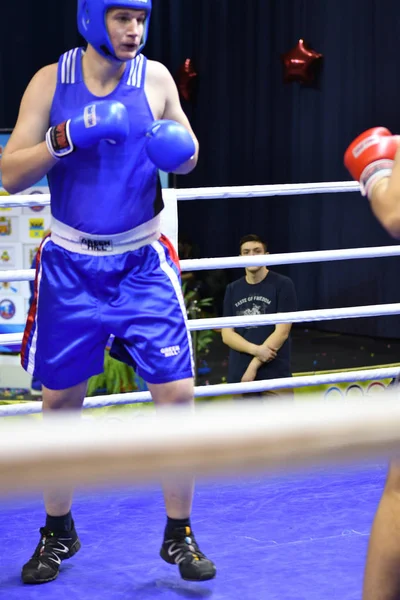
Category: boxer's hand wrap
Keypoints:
(373, 173)
(58, 140)
(102, 120)
(370, 157)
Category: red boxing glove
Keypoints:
(370, 157)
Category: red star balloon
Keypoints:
(187, 80)
(301, 64)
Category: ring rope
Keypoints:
(308, 316)
(254, 191)
(218, 438)
(17, 275)
(216, 193)
(220, 389)
(288, 258)
(302, 316)
(233, 262)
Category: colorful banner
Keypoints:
(20, 229)
(342, 391)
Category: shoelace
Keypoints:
(52, 547)
(182, 547)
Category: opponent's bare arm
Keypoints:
(26, 158)
(385, 200)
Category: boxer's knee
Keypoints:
(173, 392)
(67, 399)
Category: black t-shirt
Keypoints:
(275, 293)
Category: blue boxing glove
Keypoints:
(102, 120)
(169, 145)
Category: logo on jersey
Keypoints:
(7, 309)
(89, 115)
(91, 245)
(170, 351)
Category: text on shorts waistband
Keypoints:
(85, 243)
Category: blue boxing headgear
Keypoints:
(92, 22)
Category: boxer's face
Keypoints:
(125, 27)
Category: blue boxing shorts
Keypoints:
(83, 297)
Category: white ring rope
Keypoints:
(219, 438)
(220, 389)
(254, 191)
(216, 193)
(18, 275)
(288, 258)
(232, 262)
(307, 316)
(302, 316)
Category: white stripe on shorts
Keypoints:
(33, 342)
(173, 277)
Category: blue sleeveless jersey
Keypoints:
(107, 188)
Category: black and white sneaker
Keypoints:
(182, 549)
(53, 548)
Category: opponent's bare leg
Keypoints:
(382, 572)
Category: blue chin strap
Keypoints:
(92, 22)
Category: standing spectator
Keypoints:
(263, 352)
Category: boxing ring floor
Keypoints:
(298, 536)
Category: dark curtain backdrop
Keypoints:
(253, 128)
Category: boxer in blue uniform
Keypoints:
(100, 124)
